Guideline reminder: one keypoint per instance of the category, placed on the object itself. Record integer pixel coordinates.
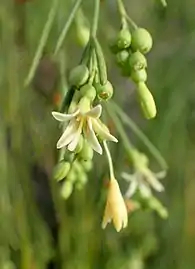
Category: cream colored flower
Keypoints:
(84, 121)
(143, 179)
(115, 209)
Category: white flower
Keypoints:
(86, 122)
(143, 179)
(115, 207)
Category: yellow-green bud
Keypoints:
(61, 170)
(86, 152)
(88, 91)
(146, 101)
(141, 40)
(87, 165)
(137, 61)
(79, 75)
(83, 34)
(124, 39)
(72, 175)
(139, 75)
(66, 189)
(104, 92)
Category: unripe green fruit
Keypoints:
(124, 39)
(146, 101)
(86, 152)
(61, 170)
(141, 40)
(139, 75)
(113, 46)
(79, 75)
(104, 92)
(137, 61)
(88, 91)
(72, 176)
(83, 34)
(122, 57)
(66, 189)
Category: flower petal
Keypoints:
(68, 134)
(153, 181)
(145, 190)
(95, 112)
(64, 117)
(132, 189)
(105, 135)
(91, 137)
(72, 146)
(107, 216)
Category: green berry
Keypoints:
(72, 176)
(137, 61)
(86, 152)
(141, 40)
(139, 75)
(79, 75)
(104, 92)
(66, 189)
(124, 39)
(113, 46)
(122, 57)
(146, 101)
(61, 170)
(88, 91)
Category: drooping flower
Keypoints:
(143, 179)
(115, 209)
(84, 120)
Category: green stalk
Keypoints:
(67, 25)
(95, 18)
(124, 16)
(129, 122)
(42, 42)
(110, 163)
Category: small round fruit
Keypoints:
(124, 39)
(67, 189)
(79, 75)
(137, 61)
(87, 165)
(139, 75)
(104, 92)
(122, 57)
(141, 40)
(88, 91)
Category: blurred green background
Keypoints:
(37, 228)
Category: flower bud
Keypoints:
(66, 189)
(122, 57)
(124, 39)
(72, 176)
(79, 75)
(88, 91)
(61, 170)
(104, 92)
(156, 205)
(141, 40)
(86, 152)
(146, 101)
(87, 165)
(139, 75)
(137, 61)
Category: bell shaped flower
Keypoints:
(115, 209)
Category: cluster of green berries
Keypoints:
(130, 49)
(80, 78)
(72, 170)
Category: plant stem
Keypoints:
(129, 122)
(110, 163)
(125, 140)
(42, 43)
(67, 25)
(95, 18)
(124, 16)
